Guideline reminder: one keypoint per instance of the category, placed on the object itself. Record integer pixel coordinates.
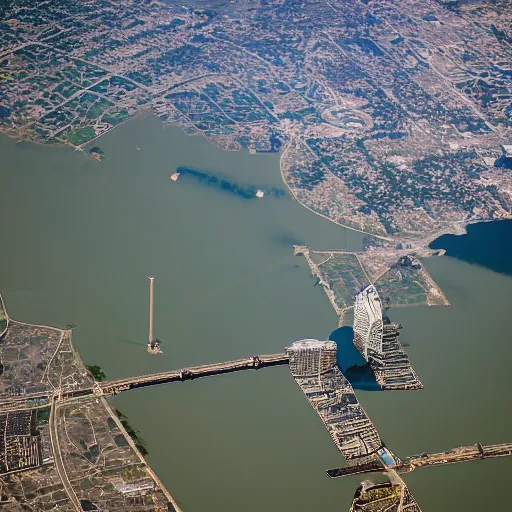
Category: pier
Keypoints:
(460, 454)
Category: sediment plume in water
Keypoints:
(224, 185)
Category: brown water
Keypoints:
(79, 239)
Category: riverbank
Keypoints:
(4, 317)
(41, 361)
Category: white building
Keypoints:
(128, 488)
(311, 358)
(368, 322)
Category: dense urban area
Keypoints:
(393, 118)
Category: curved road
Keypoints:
(59, 463)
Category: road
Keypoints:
(57, 455)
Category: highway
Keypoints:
(460, 454)
(57, 456)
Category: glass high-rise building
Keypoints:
(368, 325)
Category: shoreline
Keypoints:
(7, 319)
(419, 242)
(55, 401)
(486, 247)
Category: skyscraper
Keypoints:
(368, 326)
(311, 358)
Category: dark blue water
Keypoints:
(228, 186)
(488, 244)
(504, 162)
(351, 362)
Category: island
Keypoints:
(397, 273)
(97, 153)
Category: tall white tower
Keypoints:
(151, 306)
(368, 325)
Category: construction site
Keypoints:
(20, 442)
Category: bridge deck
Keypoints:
(193, 372)
(461, 454)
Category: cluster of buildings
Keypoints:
(128, 488)
(313, 365)
(377, 339)
(20, 442)
(390, 496)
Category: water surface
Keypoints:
(80, 237)
(487, 243)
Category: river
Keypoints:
(79, 238)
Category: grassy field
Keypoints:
(344, 275)
(81, 135)
(404, 286)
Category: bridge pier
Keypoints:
(186, 374)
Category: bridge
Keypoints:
(460, 454)
(114, 387)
